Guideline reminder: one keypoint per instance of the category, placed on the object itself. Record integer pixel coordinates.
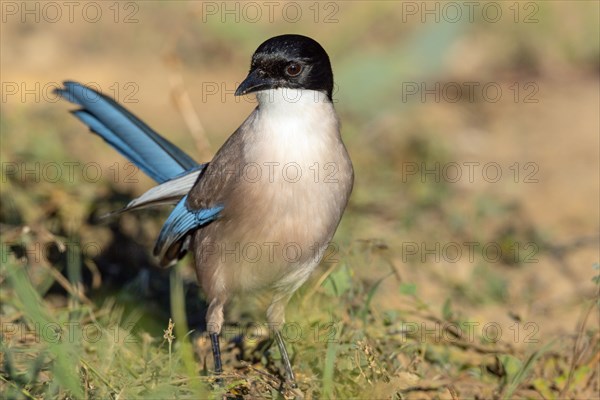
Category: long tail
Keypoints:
(160, 159)
(156, 156)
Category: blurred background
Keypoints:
(474, 132)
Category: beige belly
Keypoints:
(277, 233)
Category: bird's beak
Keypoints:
(253, 83)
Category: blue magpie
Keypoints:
(259, 216)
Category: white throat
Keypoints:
(293, 125)
(287, 99)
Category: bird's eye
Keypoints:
(293, 69)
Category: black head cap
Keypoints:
(289, 61)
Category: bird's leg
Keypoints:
(214, 322)
(216, 350)
(286, 359)
(276, 317)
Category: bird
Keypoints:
(277, 186)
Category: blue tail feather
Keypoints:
(153, 154)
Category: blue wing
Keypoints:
(181, 221)
(153, 154)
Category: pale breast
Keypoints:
(297, 172)
(293, 183)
